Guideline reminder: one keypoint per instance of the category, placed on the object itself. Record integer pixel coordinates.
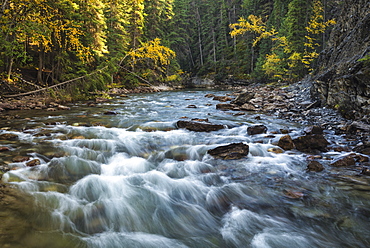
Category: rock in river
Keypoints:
(231, 151)
(257, 129)
(286, 142)
(198, 126)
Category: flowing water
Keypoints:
(134, 180)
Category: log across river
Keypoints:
(123, 174)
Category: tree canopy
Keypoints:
(139, 41)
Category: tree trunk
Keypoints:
(41, 66)
(200, 37)
(10, 67)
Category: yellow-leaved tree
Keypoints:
(148, 62)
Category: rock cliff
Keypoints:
(342, 80)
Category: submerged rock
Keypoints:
(348, 160)
(8, 136)
(231, 151)
(199, 126)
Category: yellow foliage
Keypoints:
(254, 24)
(154, 51)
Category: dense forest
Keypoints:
(133, 42)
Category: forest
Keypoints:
(126, 43)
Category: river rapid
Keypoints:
(130, 178)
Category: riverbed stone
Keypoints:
(199, 126)
(345, 161)
(286, 142)
(231, 151)
(33, 162)
(256, 129)
(243, 98)
(4, 148)
(315, 166)
(227, 106)
(248, 107)
(9, 136)
(18, 159)
(313, 130)
(222, 98)
(309, 143)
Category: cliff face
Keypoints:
(341, 80)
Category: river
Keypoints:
(130, 178)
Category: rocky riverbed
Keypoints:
(292, 103)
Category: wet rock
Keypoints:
(4, 149)
(110, 113)
(248, 107)
(231, 151)
(257, 129)
(365, 171)
(209, 95)
(199, 126)
(357, 126)
(275, 150)
(227, 106)
(61, 107)
(286, 142)
(191, 106)
(243, 98)
(314, 166)
(364, 149)
(309, 143)
(222, 98)
(201, 120)
(294, 194)
(345, 161)
(8, 136)
(101, 100)
(33, 162)
(313, 130)
(18, 159)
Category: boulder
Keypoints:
(231, 151)
(227, 106)
(222, 98)
(313, 130)
(243, 98)
(311, 142)
(286, 142)
(199, 126)
(314, 166)
(257, 129)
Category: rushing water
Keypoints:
(135, 180)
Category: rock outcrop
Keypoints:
(342, 80)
